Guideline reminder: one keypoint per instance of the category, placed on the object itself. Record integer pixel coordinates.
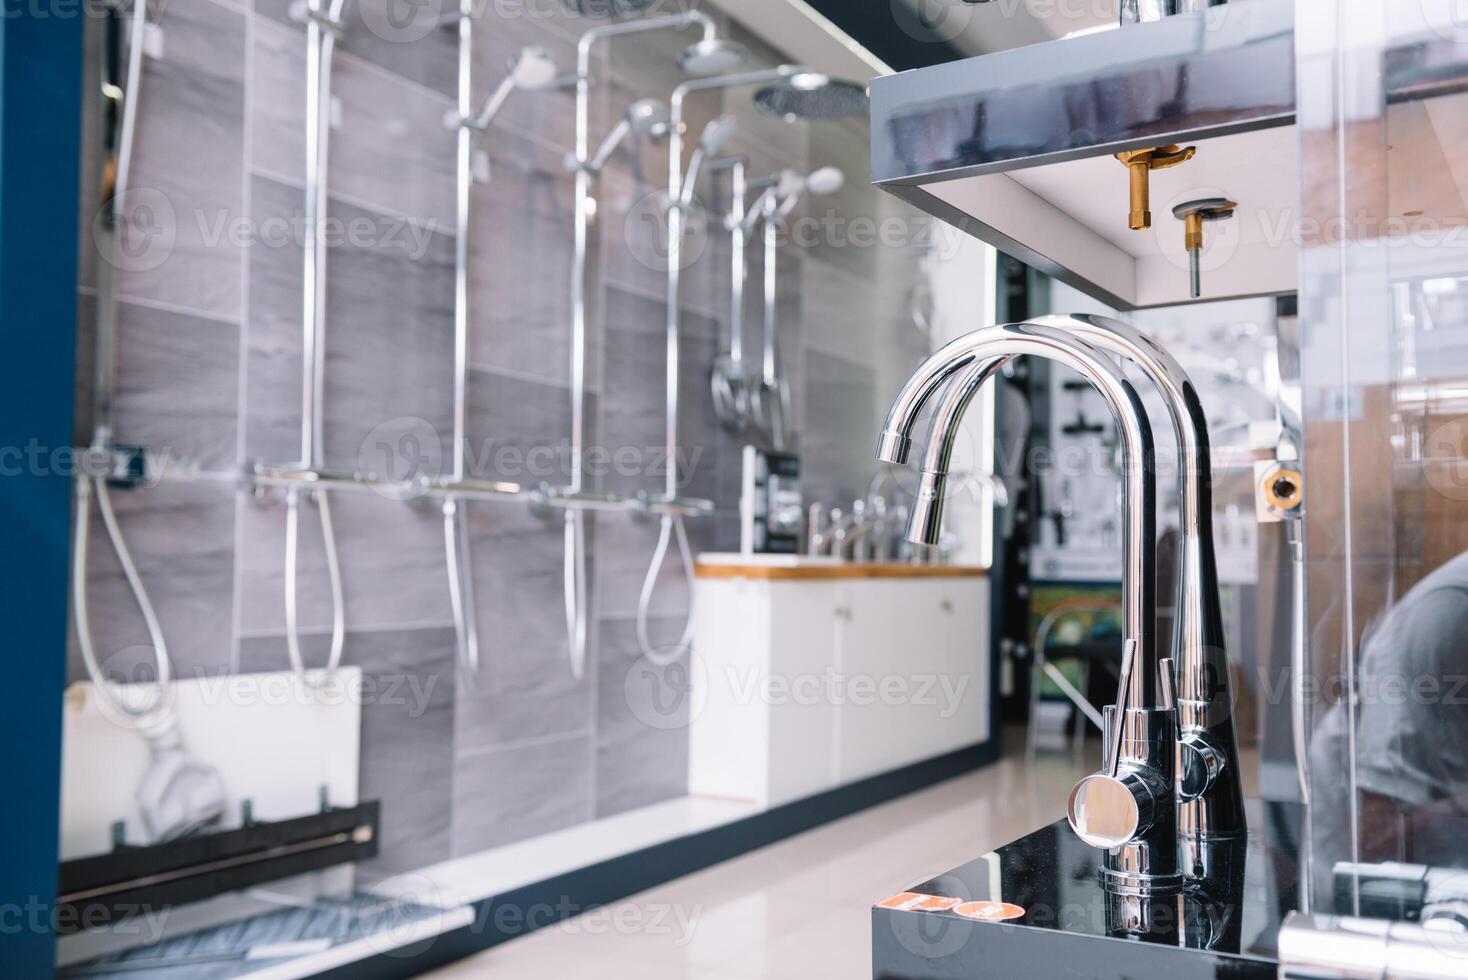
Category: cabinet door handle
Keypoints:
(844, 612)
(947, 606)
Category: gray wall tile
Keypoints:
(177, 386)
(641, 719)
(186, 185)
(407, 735)
(525, 687)
(504, 795)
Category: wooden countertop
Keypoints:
(847, 570)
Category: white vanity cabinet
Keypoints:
(809, 675)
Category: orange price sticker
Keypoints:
(917, 902)
(989, 911)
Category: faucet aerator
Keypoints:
(893, 447)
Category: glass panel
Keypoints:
(1383, 311)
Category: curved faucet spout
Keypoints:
(1129, 809)
(1210, 791)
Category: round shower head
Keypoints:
(825, 180)
(717, 134)
(811, 95)
(533, 69)
(648, 117)
(712, 56)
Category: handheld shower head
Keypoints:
(533, 68)
(716, 136)
(712, 56)
(812, 95)
(645, 117)
(825, 181)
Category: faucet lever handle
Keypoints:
(1123, 690)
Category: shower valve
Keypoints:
(1140, 164)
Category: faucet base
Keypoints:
(1039, 907)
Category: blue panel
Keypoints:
(40, 100)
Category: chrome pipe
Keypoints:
(728, 383)
(458, 559)
(1129, 809)
(322, 25)
(676, 219)
(577, 598)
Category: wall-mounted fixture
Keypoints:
(1015, 148)
(179, 794)
(531, 70)
(1139, 165)
(1193, 214)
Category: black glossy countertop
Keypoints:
(1057, 922)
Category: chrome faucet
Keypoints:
(1209, 790)
(1129, 807)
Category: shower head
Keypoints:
(825, 181)
(716, 135)
(712, 56)
(811, 95)
(533, 69)
(647, 117)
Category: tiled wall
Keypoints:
(209, 370)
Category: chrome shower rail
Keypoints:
(264, 475)
(577, 594)
(323, 25)
(670, 525)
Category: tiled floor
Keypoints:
(800, 909)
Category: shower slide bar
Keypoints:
(709, 55)
(323, 24)
(288, 477)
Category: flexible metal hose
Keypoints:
(100, 683)
(574, 570)
(461, 590)
(671, 525)
(333, 574)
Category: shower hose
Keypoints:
(461, 590)
(671, 526)
(574, 566)
(334, 578)
(157, 710)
